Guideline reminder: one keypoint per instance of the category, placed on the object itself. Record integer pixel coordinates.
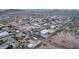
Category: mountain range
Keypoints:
(59, 11)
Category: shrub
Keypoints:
(10, 47)
(2, 42)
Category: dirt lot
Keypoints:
(64, 40)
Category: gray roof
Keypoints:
(3, 34)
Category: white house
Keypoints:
(3, 34)
(52, 26)
(46, 32)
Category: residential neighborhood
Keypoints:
(49, 29)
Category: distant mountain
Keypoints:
(45, 11)
(10, 11)
(14, 10)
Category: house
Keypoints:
(3, 34)
(52, 26)
(33, 43)
(46, 26)
(4, 47)
(46, 32)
